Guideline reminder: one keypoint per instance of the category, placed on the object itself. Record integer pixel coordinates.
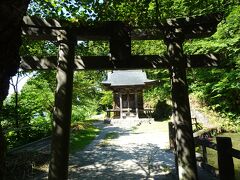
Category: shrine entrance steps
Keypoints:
(131, 121)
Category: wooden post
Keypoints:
(171, 131)
(120, 42)
(185, 147)
(128, 102)
(225, 160)
(108, 113)
(120, 102)
(204, 152)
(58, 168)
(172, 142)
(136, 104)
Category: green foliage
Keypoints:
(229, 28)
(162, 111)
(36, 96)
(137, 13)
(35, 105)
(64, 9)
(220, 88)
(111, 135)
(37, 48)
(161, 91)
(87, 92)
(83, 133)
(108, 137)
(148, 47)
(106, 100)
(91, 48)
(34, 113)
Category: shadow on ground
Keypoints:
(132, 154)
(133, 160)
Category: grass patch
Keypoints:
(134, 128)
(82, 134)
(109, 136)
(104, 143)
(156, 126)
(112, 135)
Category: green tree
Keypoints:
(34, 111)
(220, 88)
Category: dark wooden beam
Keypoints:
(193, 20)
(37, 63)
(48, 29)
(105, 62)
(199, 31)
(34, 21)
(192, 27)
(37, 33)
(120, 41)
(98, 33)
(203, 60)
(40, 28)
(225, 159)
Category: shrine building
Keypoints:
(127, 87)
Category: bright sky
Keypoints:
(22, 81)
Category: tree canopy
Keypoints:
(137, 13)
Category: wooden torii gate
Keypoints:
(119, 35)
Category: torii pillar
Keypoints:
(58, 168)
(185, 149)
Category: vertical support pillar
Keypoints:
(172, 133)
(204, 153)
(185, 148)
(128, 102)
(58, 168)
(108, 113)
(136, 104)
(225, 160)
(120, 102)
(120, 43)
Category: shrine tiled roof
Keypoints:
(127, 78)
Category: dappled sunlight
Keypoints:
(112, 161)
(133, 154)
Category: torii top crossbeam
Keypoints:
(120, 35)
(192, 27)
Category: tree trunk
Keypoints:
(17, 115)
(11, 14)
(2, 142)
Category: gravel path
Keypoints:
(139, 150)
(137, 153)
